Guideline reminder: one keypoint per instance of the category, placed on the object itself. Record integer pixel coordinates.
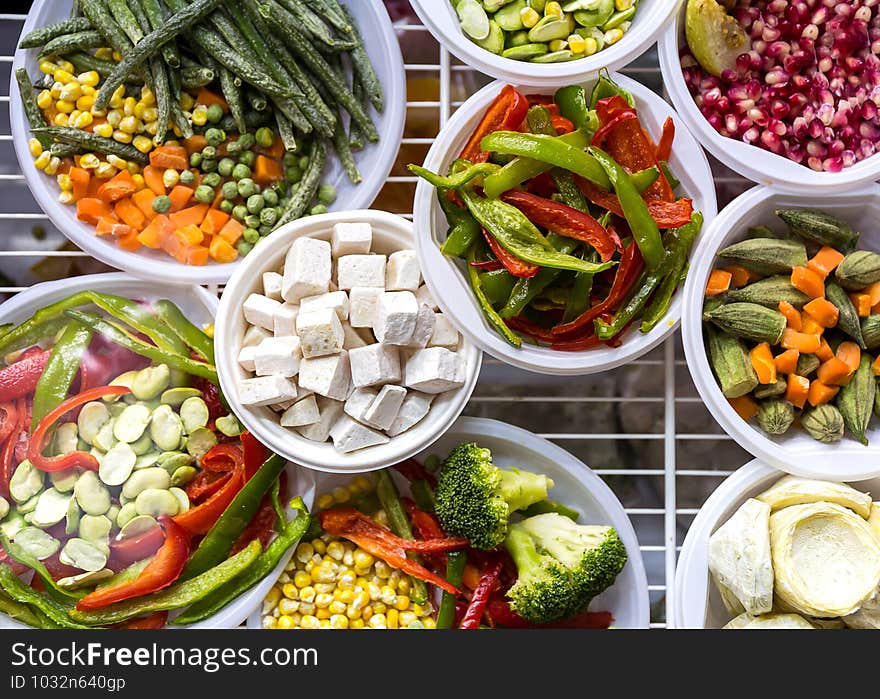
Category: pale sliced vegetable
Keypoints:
(65, 440)
(91, 495)
(194, 413)
(137, 525)
(82, 554)
(874, 518)
(74, 514)
(150, 382)
(166, 428)
(509, 17)
(146, 460)
(105, 438)
(473, 18)
(143, 445)
(13, 524)
(182, 499)
(176, 396)
(152, 478)
(130, 425)
(155, 503)
(551, 28)
(125, 379)
(715, 38)
(117, 464)
(92, 418)
(494, 42)
(63, 481)
(36, 542)
(179, 460)
(4, 507)
(200, 442)
(26, 482)
(95, 527)
(51, 508)
(555, 57)
(126, 514)
(229, 426)
(792, 490)
(28, 506)
(88, 579)
(183, 475)
(113, 513)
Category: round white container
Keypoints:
(575, 486)
(200, 307)
(757, 164)
(794, 452)
(440, 19)
(390, 233)
(374, 162)
(447, 278)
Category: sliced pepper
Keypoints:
(64, 362)
(506, 112)
(20, 379)
(14, 423)
(201, 518)
(463, 227)
(664, 147)
(510, 262)
(572, 103)
(501, 613)
(671, 214)
(456, 179)
(488, 310)
(477, 606)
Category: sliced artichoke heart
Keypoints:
(769, 621)
(792, 490)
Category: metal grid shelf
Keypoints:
(641, 427)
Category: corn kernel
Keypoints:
(149, 114)
(66, 65)
(114, 117)
(90, 78)
(325, 587)
(290, 591)
(128, 106)
(304, 552)
(62, 76)
(105, 54)
(323, 600)
(288, 606)
(356, 624)
(335, 550)
(52, 167)
(98, 112)
(284, 577)
(323, 614)
(624, 26)
(379, 607)
(186, 101)
(383, 570)
(362, 559)
(590, 46)
(612, 36)
(338, 621)
(621, 5)
(105, 171)
(285, 622)
(421, 610)
(392, 618)
(35, 148)
(44, 99)
(63, 197)
(130, 124)
(325, 501)
(320, 546)
(378, 621)
(48, 67)
(116, 161)
(272, 597)
(309, 622)
(401, 603)
(302, 579)
(553, 9)
(269, 622)
(61, 119)
(64, 106)
(142, 143)
(64, 183)
(138, 180)
(429, 622)
(117, 56)
(337, 607)
(306, 608)
(55, 90)
(147, 96)
(200, 115)
(341, 494)
(367, 613)
(362, 483)
(121, 136)
(388, 595)
(576, 43)
(85, 103)
(406, 618)
(71, 92)
(89, 161)
(352, 613)
(307, 594)
(529, 17)
(115, 103)
(83, 120)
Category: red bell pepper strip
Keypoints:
(506, 113)
(381, 543)
(164, 569)
(425, 526)
(20, 379)
(561, 124)
(223, 458)
(205, 484)
(500, 611)
(514, 265)
(255, 454)
(412, 470)
(487, 265)
(9, 421)
(606, 128)
(7, 454)
(564, 220)
(82, 459)
(261, 527)
(156, 620)
(201, 518)
(664, 148)
(127, 551)
(488, 582)
(523, 325)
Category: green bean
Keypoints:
(315, 26)
(17, 611)
(157, 19)
(41, 36)
(343, 151)
(191, 335)
(363, 68)
(286, 133)
(84, 62)
(21, 592)
(193, 77)
(455, 563)
(233, 98)
(99, 144)
(80, 41)
(356, 138)
(423, 495)
(125, 18)
(400, 525)
(331, 11)
(256, 99)
(180, 120)
(31, 108)
(308, 185)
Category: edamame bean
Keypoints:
(200, 442)
(74, 515)
(182, 499)
(65, 438)
(92, 418)
(105, 439)
(149, 478)
(87, 579)
(194, 413)
(26, 482)
(82, 554)
(95, 528)
(126, 514)
(37, 543)
(142, 446)
(183, 475)
(155, 503)
(63, 481)
(176, 396)
(4, 506)
(117, 464)
(228, 425)
(167, 427)
(51, 508)
(130, 425)
(146, 460)
(91, 495)
(151, 381)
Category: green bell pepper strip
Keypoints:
(572, 103)
(538, 119)
(457, 179)
(674, 183)
(490, 313)
(423, 495)
(519, 236)
(635, 210)
(498, 285)
(217, 543)
(57, 377)
(455, 563)
(289, 537)
(139, 317)
(550, 506)
(5, 328)
(682, 241)
(17, 611)
(126, 574)
(121, 337)
(525, 290)
(399, 523)
(275, 498)
(579, 298)
(645, 286)
(463, 228)
(179, 595)
(606, 87)
(19, 555)
(191, 335)
(21, 592)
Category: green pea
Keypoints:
(252, 221)
(246, 187)
(187, 177)
(239, 212)
(246, 141)
(268, 217)
(230, 190)
(265, 230)
(264, 137)
(293, 174)
(250, 235)
(240, 172)
(215, 137)
(162, 204)
(244, 247)
(303, 162)
(271, 197)
(195, 159)
(209, 151)
(255, 203)
(212, 179)
(318, 209)
(225, 167)
(248, 158)
(282, 204)
(204, 194)
(226, 206)
(233, 147)
(327, 194)
(209, 164)
(215, 113)
(290, 159)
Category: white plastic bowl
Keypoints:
(440, 19)
(757, 164)
(200, 307)
(576, 486)
(447, 279)
(795, 452)
(390, 233)
(374, 162)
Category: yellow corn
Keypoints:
(128, 106)
(147, 96)
(83, 120)
(378, 621)
(121, 136)
(323, 613)
(44, 99)
(335, 550)
(558, 44)
(52, 167)
(612, 36)
(273, 597)
(577, 43)
(66, 65)
(55, 90)
(339, 621)
(85, 103)
(152, 129)
(307, 594)
(117, 56)
(105, 171)
(60, 119)
(269, 622)
(90, 78)
(186, 101)
(64, 106)
(71, 92)
(429, 622)
(35, 148)
(406, 618)
(402, 603)
(356, 624)
(114, 117)
(621, 5)
(553, 9)
(310, 622)
(104, 130)
(590, 46)
(105, 54)
(116, 161)
(130, 124)
(200, 117)
(288, 606)
(48, 67)
(89, 161)
(64, 183)
(64, 197)
(62, 76)
(142, 143)
(392, 618)
(285, 622)
(325, 500)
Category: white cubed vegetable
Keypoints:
(306, 269)
(246, 358)
(278, 355)
(434, 370)
(360, 270)
(396, 313)
(359, 402)
(285, 320)
(445, 334)
(329, 411)
(424, 328)
(266, 390)
(352, 338)
(403, 272)
(374, 364)
(260, 310)
(272, 285)
(254, 336)
(383, 410)
(320, 332)
(364, 302)
(326, 376)
(414, 407)
(284, 405)
(351, 238)
(303, 412)
(423, 296)
(350, 435)
(337, 300)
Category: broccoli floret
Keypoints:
(475, 497)
(561, 565)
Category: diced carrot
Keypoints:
(267, 171)
(214, 222)
(118, 187)
(191, 216)
(169, 157)
(232, 231)
(802, 342)
(875, 367)
(824, 353)
(762, 361)
(792, 315)
(825, 261)
(850, 354)
(810, 327)
(80, 178)
(180, 196)
(130, 214)
(809, 282)
(208, 97)
(143, 199)
(874, 292)
(190, 235)
(797, 390)
(786, 362)
(221, 251)
(153, 180)
(195, 143)
(834, 372)
(821, 393)
(862, 304)
(92, 210)
(823, 312)
(112, 227)
(129, 242)
(719, 282)
(745, 406)
(739, 276)
(158, 229)
(197, 255)
(175, 247)
(276, 150)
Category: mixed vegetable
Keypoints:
(789, 323)
(198, 128)
(557, 205)
(127, 490)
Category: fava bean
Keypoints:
(51, 508)
(87, 579)
(4, 506)
(182, 499)
(113, 513)
(155, 503)
(126, 513)
(143, 445)
(125, 379)
(95, 527)
(146, 460)
(36, 542)
(150, 382)
(26, 482)
(63, 481)
(65, 438)
(138, 524)
(82, 554)
(194, 414)
(71, 525)
(176, 396)
(166, 428)
(228, 425)
(91, 495)
(115, 409)
(182, 475)
(200, 442)
(105, 438)
(28, 506)
(148, 478)
(130, 425)
(117, 464)
(14, 523)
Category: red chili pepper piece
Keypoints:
(563, 220)
(223, 458)
(523, 325)
(506, 113)
(514, 265)
(127, 551)
(205, 484)
(82, 459)
(499, 609)
(664, 148)
(603, 131)
(425, 526)
(9, 420)
(412, 470)
(667, 214)
(164, 569)
(201, 518)
(480, 598)
(255, 454)
(156, 620)
(20, 379)
(15, 426)
(487, 265)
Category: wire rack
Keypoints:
(641, 427)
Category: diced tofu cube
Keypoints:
(352, 338)
(434, 370)
(423, 296)
(285, 320)
(272, 285)
(364, 304)
(327, 376)
(337, 300)
(403, 272)
(445, 334)
(266, 390)
(320, 332)
(306, 269)
(396, 314)
(424, 328)
(284, 405)
(351, 238)
(415, 406)
(350, 435)
(303, 412)
(374, 364)
(359, 402)
(254, 336)
(260, 310)
(360, 270)
(329, 411)
(278, 355)
(246, 358)
(383, 410)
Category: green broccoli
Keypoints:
(475, 497)
(561, 565)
